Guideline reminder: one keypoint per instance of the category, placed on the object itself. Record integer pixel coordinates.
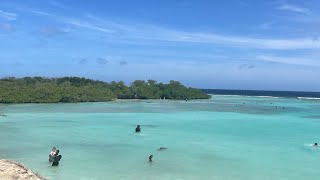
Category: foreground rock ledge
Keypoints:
(12, 170)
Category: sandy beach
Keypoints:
(12, 170)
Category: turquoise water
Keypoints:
(227, 137)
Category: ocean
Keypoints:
(243, 137)
(292, 94)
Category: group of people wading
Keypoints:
(138, 130)
(55, 157)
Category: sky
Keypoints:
(235, 44)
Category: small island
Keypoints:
(76, 89)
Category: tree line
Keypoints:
(76, 89)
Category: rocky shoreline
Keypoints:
(12, 170)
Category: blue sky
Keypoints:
(240, 44)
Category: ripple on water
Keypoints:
(312, 117)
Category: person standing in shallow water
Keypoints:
(150, 158)
(52, 154)
(56, 158)
(138, 129)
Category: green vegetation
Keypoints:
(75, 89)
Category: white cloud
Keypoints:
(306, 61)
(88, 25)
(154, 33)
(256, 43)
(294, 8)
(39, 13)
(8, 16)
(124, 31)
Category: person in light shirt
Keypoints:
(52, 154)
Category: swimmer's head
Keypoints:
(54, 149)
(315, 144)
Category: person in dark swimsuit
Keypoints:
(56, 159)
(138, 129)
(162, 148)
(150, 158)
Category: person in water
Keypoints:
(138, 129)
(52, 154)
(56, 158)
(150, 158)
(315, 145)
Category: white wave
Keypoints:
(309, 98)
(267, 96)
(247, 96)
(308, 145)
(311, 146)
(228, 95)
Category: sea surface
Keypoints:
(226, 137)
(294, 94)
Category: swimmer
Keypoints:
(56, 158)
(138, 129)
(52, 154)
(162, 148)
(315, 145)
(150, 158)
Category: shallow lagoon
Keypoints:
(226, 137)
